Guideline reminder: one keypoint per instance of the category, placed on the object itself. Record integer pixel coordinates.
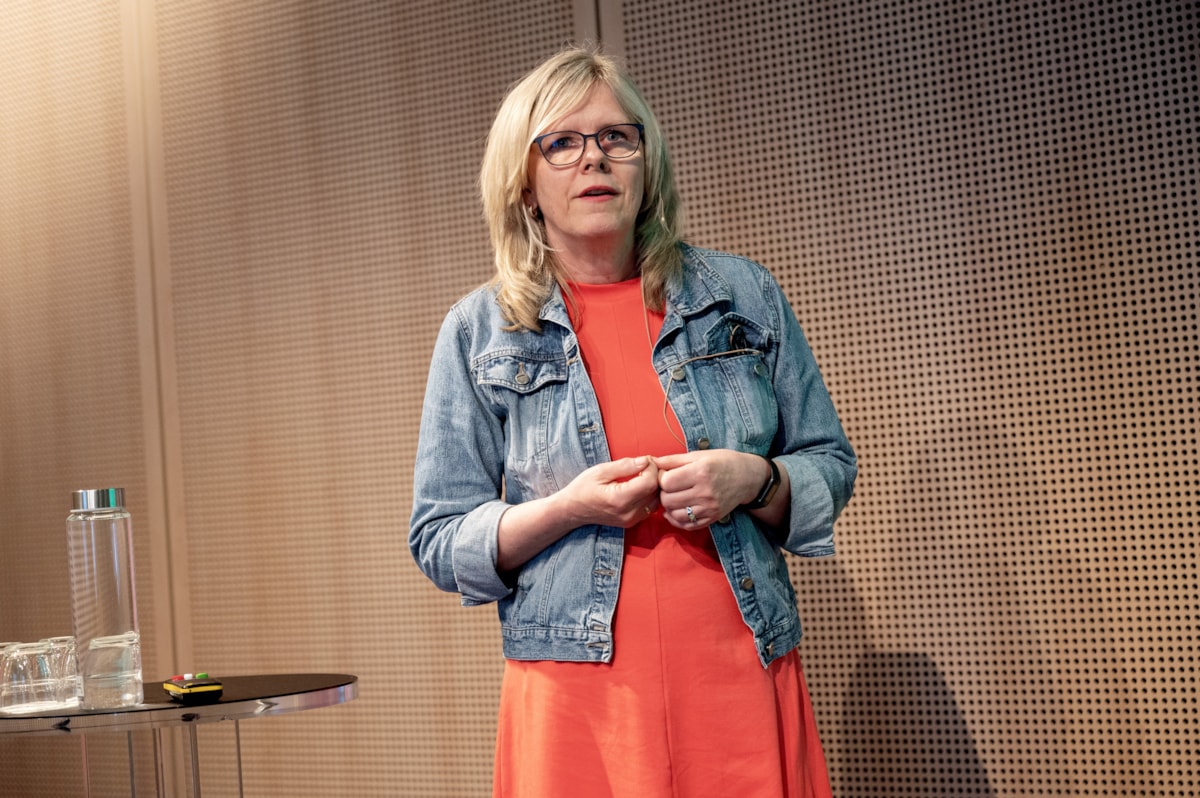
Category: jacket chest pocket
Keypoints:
(530, 394)
(733, 383)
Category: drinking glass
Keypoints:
(29, 683)
(64, 670)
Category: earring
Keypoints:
(533, 212)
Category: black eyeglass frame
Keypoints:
(641, 129)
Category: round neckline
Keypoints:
(601, 287)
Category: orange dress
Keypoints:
(684, 709)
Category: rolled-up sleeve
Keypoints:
(811, 443)
(458, 476)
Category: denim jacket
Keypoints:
(512, 416)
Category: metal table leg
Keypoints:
(195, 761)
(160, 780)
(87, 782)
(237, 741)
(129, 753)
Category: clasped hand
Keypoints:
(693, 489)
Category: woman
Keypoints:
(619, 435)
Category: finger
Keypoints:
(625, 468)
(668, 461)
(637, 508)
(637, 492)
(681, 519)
(676, 477)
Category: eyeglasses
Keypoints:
(565, 147)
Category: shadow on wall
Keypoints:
(988, 634)
(900, 730)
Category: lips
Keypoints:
(598, 191)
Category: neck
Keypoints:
(598, 262)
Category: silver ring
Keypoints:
(690, 514)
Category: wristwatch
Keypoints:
(768, 489)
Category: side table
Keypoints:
(242, 697)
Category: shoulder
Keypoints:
(470, 316)
(697, 254)
(477, 311)
(479, 302)
(700, 258)
(737, 272)
(477, 323)
(724, 275)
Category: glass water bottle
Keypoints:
(104, 606)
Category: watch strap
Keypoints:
(768, 489)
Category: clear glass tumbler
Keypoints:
(65, 668)
(29, 684)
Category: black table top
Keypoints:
(242, 697)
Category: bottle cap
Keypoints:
(104, 498)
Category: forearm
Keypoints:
(527, 528)
(618, 493)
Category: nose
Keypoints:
(601, 157)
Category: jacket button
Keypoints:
(760, 369)
(677, 373)
(703, 443)
(723, 519)
(747, 583)
(770, 649)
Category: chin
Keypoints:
(606, 227)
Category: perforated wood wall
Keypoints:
(71, 392)
(321, 166)
(986, 218)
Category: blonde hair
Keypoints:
(526, 269)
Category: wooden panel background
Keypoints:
(985, 216)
